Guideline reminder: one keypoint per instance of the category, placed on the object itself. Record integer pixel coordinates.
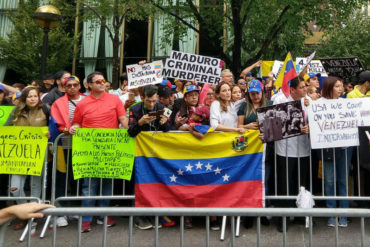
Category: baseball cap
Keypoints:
(2, 88)
(364, 76)
(311, 75)
(190, 88)
(167, 83)
(249, 74)
(16, 95)
(255, 86)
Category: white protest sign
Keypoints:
(142, 75)
(316, 67)
(300, 63)
(334, 123)
(276, 68)
(190, 67)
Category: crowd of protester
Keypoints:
(229, 106)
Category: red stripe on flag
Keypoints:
(238, 194)
(291, 74)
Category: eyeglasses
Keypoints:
(75, 85)
(102, 81)
(210, 93)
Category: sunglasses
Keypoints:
(100, 81)
(75, 85)
(242, 82)
(210, 93)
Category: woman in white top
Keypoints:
(223, 114)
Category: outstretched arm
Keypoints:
(23, 211)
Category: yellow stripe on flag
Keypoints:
(213, 145)
(267, 68)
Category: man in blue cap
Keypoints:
(312, 80)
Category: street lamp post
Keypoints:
(47, 17)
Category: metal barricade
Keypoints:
(41, 199)
(254, 237)
(69, 195)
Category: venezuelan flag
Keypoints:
(178, 170)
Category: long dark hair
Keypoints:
(327, 89)
(22, 108)
(249, 109)
(223, 103)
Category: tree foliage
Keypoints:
(100, 12)
(257, 29)
(350, 39)
(21, 52)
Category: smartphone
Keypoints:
(156, 113)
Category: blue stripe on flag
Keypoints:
(231, 169)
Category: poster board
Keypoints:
(102, 153)
(142, 75)
(22, 150)
(347, 68)
(280, 121)
(190, 67)
(334, 123)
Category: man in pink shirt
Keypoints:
(98, 110)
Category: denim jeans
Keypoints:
(342, 171)
(95, 190)
(17, 183)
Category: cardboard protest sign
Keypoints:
(280, 121)
(347, 68)
(334, 123)
(276, 68)
(22, 150)
(190, 67)
(4, 113)
(142, 75)
(301, 62)
(364, 138)
(102, 153)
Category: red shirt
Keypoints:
(100, 113)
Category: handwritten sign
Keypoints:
(192, 67)
(4, 113)
(142, 75)
(347, 68)
(22, 150)
(102, 153)
(334, 123)
(302, 62)
(278, 65)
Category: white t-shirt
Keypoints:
(72, 107)
(298, 146)
(229, 118)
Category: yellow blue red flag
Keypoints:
(178, 170)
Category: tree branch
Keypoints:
(272, 33)
(102, 21)
(247, 9)
(224, 56)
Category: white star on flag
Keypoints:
(173, 178)
(189, 167)
(180, 172)
(199, 165)
(226, 177)
(209, 167)
(217, 171)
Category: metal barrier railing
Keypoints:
(41, 199)
(207, 212)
